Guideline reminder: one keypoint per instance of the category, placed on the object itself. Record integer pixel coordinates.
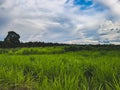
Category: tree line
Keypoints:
(12, 41)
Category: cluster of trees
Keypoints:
(29, 44)
(68, 47)
(12, 41)
(91, 47)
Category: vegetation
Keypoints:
(60, 68)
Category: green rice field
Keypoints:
(54, 68)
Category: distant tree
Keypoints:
(12, 39)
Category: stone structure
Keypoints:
(12, 38)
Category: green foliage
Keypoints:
(55, 68)
(47, 50)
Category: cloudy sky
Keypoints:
(64, 21)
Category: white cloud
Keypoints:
(113, 6)
(110, 31)
(55, 21)
(83, 42)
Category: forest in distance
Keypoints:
(12, 41)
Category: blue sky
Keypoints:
(64, 21)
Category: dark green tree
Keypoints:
(12, 39)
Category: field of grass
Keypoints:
(54, 68)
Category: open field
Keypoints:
(59, 68)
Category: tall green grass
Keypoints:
(52, 68)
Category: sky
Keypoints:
(62, 21)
